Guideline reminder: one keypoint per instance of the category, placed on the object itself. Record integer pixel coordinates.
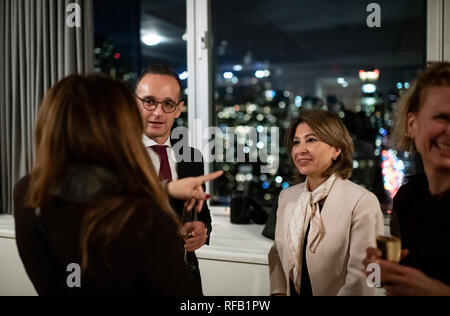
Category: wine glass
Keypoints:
(390, 244)
(188, 218)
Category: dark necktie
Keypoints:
(164, 170)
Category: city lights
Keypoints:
(228, 75)
(270, 94)
(373, 75)
(369, 101)
(237, 67)
(262, 74)
(342, 82)
(369, 88)
(259, 74)
(393, 170)
(404, 85)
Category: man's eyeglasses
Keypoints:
(167, 106)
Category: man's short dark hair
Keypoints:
(160, 69)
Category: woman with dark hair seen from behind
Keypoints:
(93, 199)
(422, 125)
(324, 222)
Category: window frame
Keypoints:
(199, 54)
(438, 17)
(200, 68)
(199, 57)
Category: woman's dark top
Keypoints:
(305, 285)
(424, 222)
(146, 259)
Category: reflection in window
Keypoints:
(275, 58)
(130, 35)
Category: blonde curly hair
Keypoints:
(437, 74)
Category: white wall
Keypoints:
(13, 278)
(222, 278)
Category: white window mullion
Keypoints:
(199, 69)
(191, 62)
(446, 30)
(435, 29)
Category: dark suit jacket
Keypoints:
(188, 169)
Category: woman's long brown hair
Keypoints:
(94, 120)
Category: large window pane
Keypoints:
(130, 35)
(275, 58)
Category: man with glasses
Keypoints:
(158, 94)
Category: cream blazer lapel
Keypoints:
(352, 218)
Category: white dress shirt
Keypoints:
(148, 143)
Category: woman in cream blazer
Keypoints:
(343, 220)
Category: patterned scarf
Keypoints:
(306, 212)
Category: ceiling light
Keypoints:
(151, 39)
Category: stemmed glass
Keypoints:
(390, 244)
(188, 218)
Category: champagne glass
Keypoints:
(390, 244)
(188, 218)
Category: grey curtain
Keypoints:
(37, 48)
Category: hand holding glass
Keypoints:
(188, 217)
(390, 244)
